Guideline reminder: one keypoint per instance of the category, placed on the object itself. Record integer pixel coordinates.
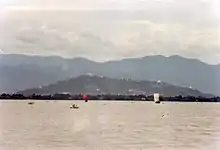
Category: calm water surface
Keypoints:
(109, 125)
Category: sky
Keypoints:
(111, 29)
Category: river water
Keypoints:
(102, 125)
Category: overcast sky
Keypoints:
(111, 29)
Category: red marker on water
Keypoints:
(85, 98)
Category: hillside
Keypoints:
(92, 84)
(19, 72)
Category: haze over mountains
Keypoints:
(20, 72)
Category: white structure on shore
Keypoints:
(156, 97)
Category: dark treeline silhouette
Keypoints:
(59, 96)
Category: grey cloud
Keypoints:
(164, 9)
(104, 35)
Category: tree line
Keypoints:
(59, 96)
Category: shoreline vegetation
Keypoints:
(109, 97)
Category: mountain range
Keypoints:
(20, 72)
(93, 84)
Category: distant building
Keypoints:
(136, 92)
(158, 81)
(66, 93)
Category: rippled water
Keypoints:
(109, 125)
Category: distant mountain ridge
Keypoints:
(20, 72)
(93, 84)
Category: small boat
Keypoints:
(157, 98)
(85, 98)
(30, 103)
(74, 106)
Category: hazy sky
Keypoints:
(111, 29)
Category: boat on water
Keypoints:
(85, 98)
(30, 103)
(156, 98)
(74, 106)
